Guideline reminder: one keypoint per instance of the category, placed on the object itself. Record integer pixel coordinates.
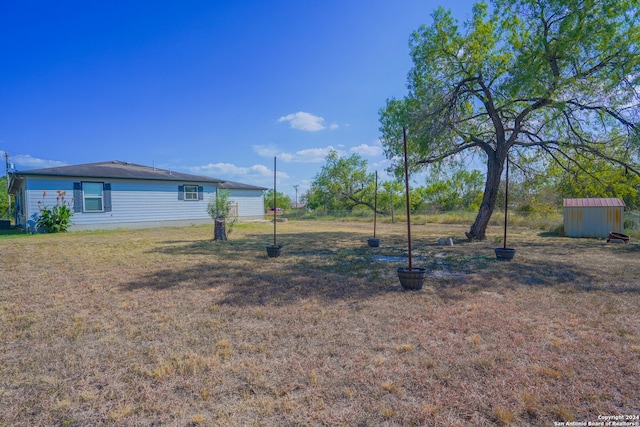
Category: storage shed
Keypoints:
(593, 217)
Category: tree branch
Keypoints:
(489, 105)
(607, 110)
(460, 148)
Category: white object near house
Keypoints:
(593, 217)
(118, 194)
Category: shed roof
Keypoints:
(595, 202)
(124, 170)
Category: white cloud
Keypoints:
(265, 151)
(262, 170)
(286, 157)
(219, 168)
(304, 121)
(382, 164)
(313, 155)
(25, 160)
(309, 155)
(367, 150)
(334, 126)
(256, 174)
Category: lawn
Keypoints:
(167, 327)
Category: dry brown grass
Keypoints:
(167, 327)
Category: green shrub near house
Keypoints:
(56, 219)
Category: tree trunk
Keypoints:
(495, 164)
(220, 229)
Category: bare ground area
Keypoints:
(167, 327)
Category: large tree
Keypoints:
(535, 80)
(342, 184)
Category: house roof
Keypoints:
(117, 169)
(232, 185)
(593, 202)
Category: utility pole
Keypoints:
(6, 158)
(296, 187)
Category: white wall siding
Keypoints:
(250, 203)
(33, 193)
(139, 201)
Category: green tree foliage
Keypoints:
(282, 200)
(538, 80)
(461, 190)
(342, 184)
(4, 199)
(391, 198)
(219, 207)
(595, 177)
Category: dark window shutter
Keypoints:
(77, 197)
(180, 192)
(106, 194)
(200, 192)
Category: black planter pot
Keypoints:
(505, 254)
(274, 251)
(412, 279)
(374, 243)
(617, 236)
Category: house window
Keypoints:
(93, 196)
(191, 192)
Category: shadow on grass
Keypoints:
(245, 286)
(340, 266)
(253, 245)
(12, 231)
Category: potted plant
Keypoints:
(504, 253)
(374, 243)
(411, 278)
(274, 250)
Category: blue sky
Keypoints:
(213, 88)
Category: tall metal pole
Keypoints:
(6, 157)
(406, 186)
(506, 203)
(296, 187)
(375, 206)
(275, 207)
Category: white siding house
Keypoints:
(119, 195)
